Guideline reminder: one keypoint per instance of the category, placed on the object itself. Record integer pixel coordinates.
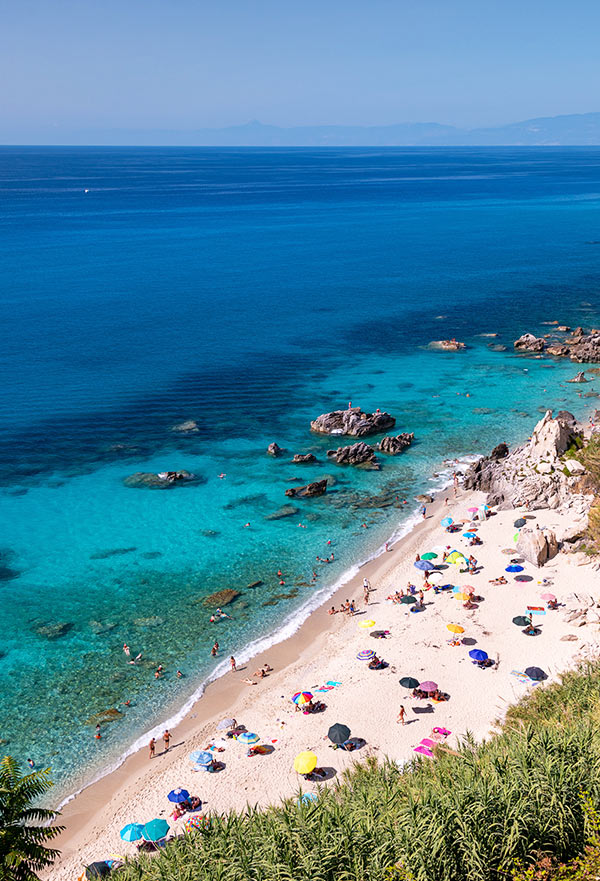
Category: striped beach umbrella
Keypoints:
(302, 697)
(247, 737)
(365, 655)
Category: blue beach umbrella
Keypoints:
(155, 830)
(478, 655)
(365, 655)
(132, 832)
(447, 521)
(178, 795)
(514, 569)
(201, 757)
(424, 566)
(247, 737)
(469, 534)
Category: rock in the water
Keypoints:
(579, 377)
(447, 345)
(150, 621)
(392, 446)
(163, 480)
(304, 459)
(311, 490)
(427, 500)
(274, 449)
(356, 454)
(563, 328)
(187, 427)
(558, 351)
(54, 630)
(535, 546)
(221, 597)
(284, 511)
(352, 422)
(105, 716)
(254, 584)
(530, 343)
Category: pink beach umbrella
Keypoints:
(472, 510)
(549, 597)
(428, 686)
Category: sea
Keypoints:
(245, 291)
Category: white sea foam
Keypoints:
(290, 625)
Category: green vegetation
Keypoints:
(22, 843)
(518, 803)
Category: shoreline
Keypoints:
(80, 810)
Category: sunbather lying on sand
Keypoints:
(500, 580)
(249, 681)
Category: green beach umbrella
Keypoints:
(155, 830)
(429, 556)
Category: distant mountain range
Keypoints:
(580, 129)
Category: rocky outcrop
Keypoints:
(274, 450)
(352, 422)
(581, 609)
(357, 454)
(393, 446)
(221, 597)
(533, 474)
(448, 345)
(563, 328)
(163, 480)
(535, 546)
(284, 511)
(579, 377)
(311, 490)
(530, 343)
(187, 427)
(304, 459)
(585, 348)
(558, 350)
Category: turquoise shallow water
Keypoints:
(250, 291)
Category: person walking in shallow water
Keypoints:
(166, 739)
(232, 662)
(214, 649)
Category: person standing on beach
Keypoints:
(424, 512)
(152, 747)
(401, 716)
(233, 664)
(166, 739)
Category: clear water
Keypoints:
(249, 290)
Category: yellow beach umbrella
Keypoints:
(454, 556)
(455, 628)
(305, 762)
(462, 596)
(367, 624)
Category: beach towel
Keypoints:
(424, 751)
(332, 683)
(518, 674)
(536, 611)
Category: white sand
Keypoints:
(367, 701)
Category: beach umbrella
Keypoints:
(338, 733)
(428, 686)
(226, 723)
(435, 577)
(472, 510)
(305, 762)
(462, 596)
(99, 869)
(155, 830)
(520, 522)
(366, 625)
(514, 568)
(198, 821)
(454, 557)
(408, 599)
(132, 832)
(201, 757)
(478, 655)
(424, 565)
(429, 556)
(521, 621)
(468, 589)
(447, 521)
(455, 628)
(302, 697)
(549, 597)
(247, 737)
(535, 673)
(409, 682)
(508, 551)
(365, 655)
(178, 795)
(469, 534)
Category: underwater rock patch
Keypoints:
(221, 597)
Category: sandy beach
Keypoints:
(324, 651)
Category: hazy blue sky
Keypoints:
(189, 63)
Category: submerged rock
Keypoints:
(311, 490)
(110, 715)
(284, 511)
(393, 446)
(357, 454)
(150, 621)
(187, 427)
(222, 597)
(352, 422)
(163, 480)
(54, 630)
(114, 552)
(448, 345)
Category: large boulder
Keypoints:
(392, 446)
(304, 459)
(535, 546)
(311, 490)
(352, 422)
(530, 343)
(357, 454)
(552, 437)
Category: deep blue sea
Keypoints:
(249, 291)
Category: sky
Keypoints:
(76, 65)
